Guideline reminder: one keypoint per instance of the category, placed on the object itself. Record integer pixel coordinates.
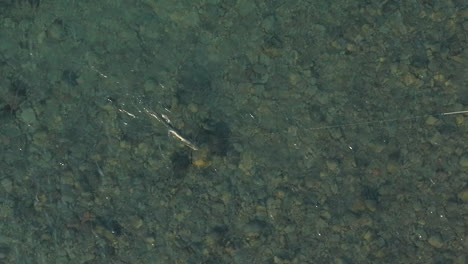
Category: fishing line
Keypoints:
(390, 120)
(179, 135)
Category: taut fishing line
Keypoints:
(190, 143)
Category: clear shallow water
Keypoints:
(288, 105)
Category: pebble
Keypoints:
(28, 116)
(463, 195)
(464, 162)
(436, 241)
(431, 121)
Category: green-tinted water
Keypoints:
(318, 126)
